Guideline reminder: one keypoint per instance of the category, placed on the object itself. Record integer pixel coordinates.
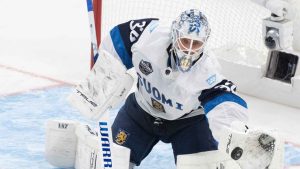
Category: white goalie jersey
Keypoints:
(162, 91)
(167, 93)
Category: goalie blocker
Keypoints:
(70, 144)
(106, 86)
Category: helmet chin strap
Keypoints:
(173, 59)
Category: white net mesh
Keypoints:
(232, 21)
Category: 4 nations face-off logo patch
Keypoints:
(121, 137)
(145, 67)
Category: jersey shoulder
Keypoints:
(224, 91)
(153, 45)
(122, 37)
(155, 35)
(131, 30)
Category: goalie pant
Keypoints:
(136, 129)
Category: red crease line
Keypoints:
(35, 75)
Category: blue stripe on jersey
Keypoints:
(89, 5)
(120, 47)
(223, 98)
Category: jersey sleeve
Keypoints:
(225, 91)
(223, 107)
(122, 37)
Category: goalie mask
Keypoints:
(190, 32)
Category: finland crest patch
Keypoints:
(145, 67)
(158, 106)
(212, 79)
(121, 137)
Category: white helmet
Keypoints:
(190, 32)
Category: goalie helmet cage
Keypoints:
(236, 22)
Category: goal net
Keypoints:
(232, 21)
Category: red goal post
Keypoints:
(97, 5)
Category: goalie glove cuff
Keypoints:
(239, 126)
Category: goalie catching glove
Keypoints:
(239, 149)
(251, 148)
(106, 86)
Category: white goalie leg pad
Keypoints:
(89, 157)
(70, 144)
(106, 86)
(87, 148)
(255, 149)
(206, 160)
(61, 141)
(121, 157)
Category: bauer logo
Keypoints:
(105, 145)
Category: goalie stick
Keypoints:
(94, 42)
(105, 134)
